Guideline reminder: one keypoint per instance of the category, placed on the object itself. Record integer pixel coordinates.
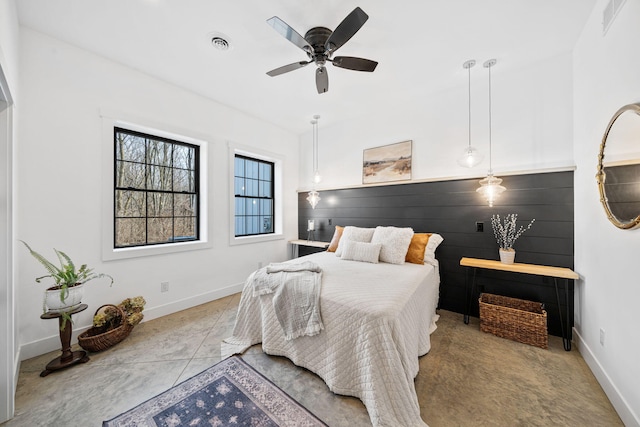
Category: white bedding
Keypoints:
(377, 318)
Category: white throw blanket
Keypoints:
(297, 296)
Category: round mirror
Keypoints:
(619, 168)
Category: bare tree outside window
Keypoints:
(156, 190)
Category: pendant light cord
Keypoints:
(469, 69)
(490, 166)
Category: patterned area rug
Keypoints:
(230, 393)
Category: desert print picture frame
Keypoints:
(387, 163)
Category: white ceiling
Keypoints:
(420, 46)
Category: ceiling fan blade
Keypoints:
(357, 64)
(322, 80)
(287, 68)
(289, 33)
(346, 29)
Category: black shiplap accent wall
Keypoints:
(451, 209)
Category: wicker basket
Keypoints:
(515, 319)
(94, 340)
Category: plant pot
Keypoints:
(73, 299)
(507, 256)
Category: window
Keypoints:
(254, 196)
(156, 190)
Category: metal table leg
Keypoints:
(469, 296)
(566, 331)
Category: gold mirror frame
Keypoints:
(601, 174)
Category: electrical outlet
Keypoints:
(480, 227)
(164, 286)
(602, 337)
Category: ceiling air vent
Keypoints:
(610, 12)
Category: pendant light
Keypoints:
(314, 197)
(490, 187)
(470, 157)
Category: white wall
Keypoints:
(9, 358)
(531, 127)
(606, 78)
(63, 88)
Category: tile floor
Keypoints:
(468, 379)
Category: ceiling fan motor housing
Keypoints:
(317, 38)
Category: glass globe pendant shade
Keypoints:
(313, 198)
(470, 157)
(490, 188)
(317, 177)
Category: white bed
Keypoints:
(377, 322)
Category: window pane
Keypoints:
(240, 231)
(239, 166)
(251, 187)
(184, 180)
(184, 157)
(130, 175)
(251, 169)
(185, 229)
(240, 206)
(251, 207)
(265, 189)
(239, 187)
(130, 147)
(253, 225)
(267, 224)
(159, 178)
(185, 205)
(265, 171)
(159, 153)
(130, 232)
(130, 203)
(160, 204)
(266, 207)
(160, 230)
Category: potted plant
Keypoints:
(506, 234)
(69, 280)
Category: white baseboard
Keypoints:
(52, 343)
(628, 417)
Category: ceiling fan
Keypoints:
(320, 43)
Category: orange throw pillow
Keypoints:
(415, 253)
(336, 239)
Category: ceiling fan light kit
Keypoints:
(320, 43)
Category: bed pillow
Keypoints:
(361, 251)
(395, 242)
(417, 247)
(356, 234)
(335, 239)
(430, 251)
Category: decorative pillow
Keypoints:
(335, 239)
(395, 242)
(430, 251)
(415, 253)
(356, 234)
(361, 251)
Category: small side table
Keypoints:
(311, 243)
(68, 357)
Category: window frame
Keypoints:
(272, 192)
(278, 162)
(147, 191)
(111, 120)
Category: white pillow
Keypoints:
(430, 250)
(356, 234)
(395, 243)
(361, 251)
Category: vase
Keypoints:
(73, 299)
(507, 256)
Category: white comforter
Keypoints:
(377, 319)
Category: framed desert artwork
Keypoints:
(387, 163)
